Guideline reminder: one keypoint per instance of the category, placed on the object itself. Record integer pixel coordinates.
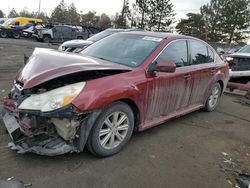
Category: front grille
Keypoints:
(241, 64)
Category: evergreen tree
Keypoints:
(141, 9)
(43, 16)
(89, 19)
(73, 16)
(26, 13)
(13, 13)
(1, 14)
(104, 21)
(224, 18)
(125, 15)
(162, 15)
(60, 13)
(194, 26)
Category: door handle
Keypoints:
(213, 71)
(187, 76)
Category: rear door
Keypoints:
(57, 33)
(169, 93)
(203, 69)
(66, 33)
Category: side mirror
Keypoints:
(163, 66)
(220, 51)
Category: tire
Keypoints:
(16, 34)
(107, 139)
(46, 39)
(213, 98)
(3, 34)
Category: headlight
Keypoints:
(61, 48)
(78, 50)
(229, 58)
(53, 99)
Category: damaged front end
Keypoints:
(39, 113)
(45, 125)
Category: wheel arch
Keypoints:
(221, 85)
(134, 108)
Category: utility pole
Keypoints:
(39, 9)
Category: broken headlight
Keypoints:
(53, 99)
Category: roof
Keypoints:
(156, 34)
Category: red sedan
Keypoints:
(127, 82)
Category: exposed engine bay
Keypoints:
(48, 133)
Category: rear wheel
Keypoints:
(214, 98)
(3, 34)
(112, 130)
(16, 34)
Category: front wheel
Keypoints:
(214, 98)
(3, 34)
(112, 130)
(46, 39)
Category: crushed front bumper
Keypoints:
(20, 124)
(47, 133)
(42, 144)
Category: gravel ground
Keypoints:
(182, 153)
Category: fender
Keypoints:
(99, 93)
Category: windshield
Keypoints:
(125, 49)
(245, 49)
(2, 20)
(8, 22)
(101, 35)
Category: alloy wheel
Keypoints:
(113, 130)
(213, 99)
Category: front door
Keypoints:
(169, 93)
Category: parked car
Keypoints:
(10, 32)
(240, 63)
(2, 20)
(128, 81)
(59, 33)
(77, 46)
(19, 21)
(13, 27)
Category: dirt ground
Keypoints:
(182, 153)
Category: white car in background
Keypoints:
(239, 63)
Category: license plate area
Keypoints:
(11, 125)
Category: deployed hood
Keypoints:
(47, 64)
(77, 43)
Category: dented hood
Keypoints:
(47, 64)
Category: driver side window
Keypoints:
(176, 52)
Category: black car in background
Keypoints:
(77, 46)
